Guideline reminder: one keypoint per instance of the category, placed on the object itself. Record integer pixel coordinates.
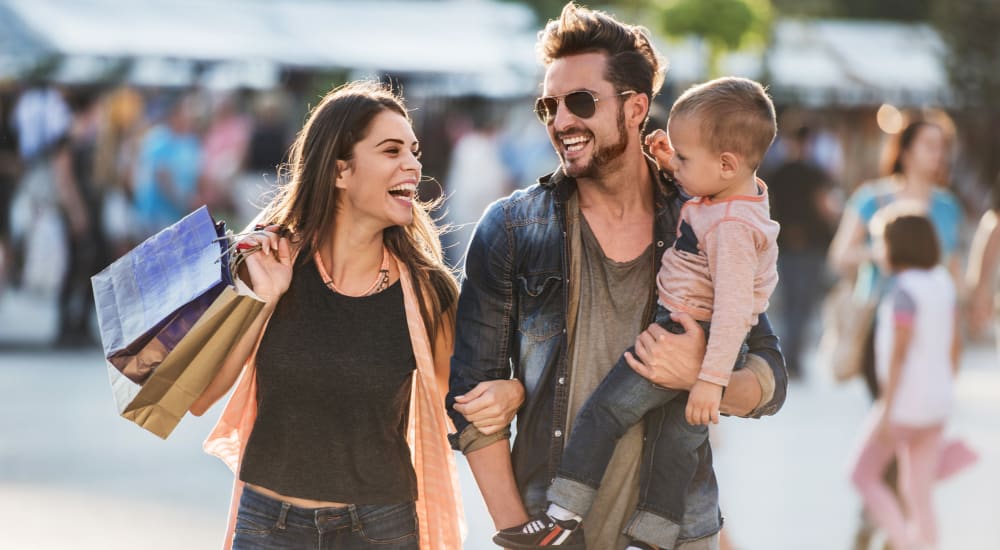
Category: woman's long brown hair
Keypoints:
(305, 204)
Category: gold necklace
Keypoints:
(381, 277)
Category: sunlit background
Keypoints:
(105, 72)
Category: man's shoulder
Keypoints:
(528, 203)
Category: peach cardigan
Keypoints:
(439, 504)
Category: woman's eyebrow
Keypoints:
(394, 140)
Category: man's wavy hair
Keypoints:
(633, 63)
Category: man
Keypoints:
(559, 280)
(800, 192)
(166, 173)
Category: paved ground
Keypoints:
(74, 475)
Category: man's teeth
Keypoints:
(575, 143)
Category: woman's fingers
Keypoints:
(284, 251)
(266, 240)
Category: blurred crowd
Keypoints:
(88, 172)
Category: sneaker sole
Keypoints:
(503, 543)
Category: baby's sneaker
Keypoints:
(542, 531)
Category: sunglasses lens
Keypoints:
(540, 111)
(545, 109)
(581, 104)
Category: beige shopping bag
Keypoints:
(162, 400)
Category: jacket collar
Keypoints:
(563, 186)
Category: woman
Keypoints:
(337, 430)
(916, 172)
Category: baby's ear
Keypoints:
(729, 164)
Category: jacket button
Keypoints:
(659, 244)
(558, 433)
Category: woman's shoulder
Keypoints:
(871, 195)
(946, 199)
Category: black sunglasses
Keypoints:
(581, 103)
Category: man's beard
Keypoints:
(602, 156)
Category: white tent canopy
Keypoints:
(479, 39)
(858, 62)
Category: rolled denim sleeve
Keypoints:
(768, 365)
(483, 330)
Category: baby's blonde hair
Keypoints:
(735, 115)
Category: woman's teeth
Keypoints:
(405, 190)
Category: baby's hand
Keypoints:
(703, 403)
(659, 148)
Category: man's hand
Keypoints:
(660, 149)
(703, 404)
(491, 405)
(667, 359)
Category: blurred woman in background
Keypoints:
(916, 171)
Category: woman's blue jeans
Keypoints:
(263, 523)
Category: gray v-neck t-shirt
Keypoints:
(611, 297)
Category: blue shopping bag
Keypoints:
(148, 299)
(170, 311)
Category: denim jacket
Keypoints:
(512, 323)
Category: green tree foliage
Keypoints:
(896, 10)
(969, 29)
(723, 24)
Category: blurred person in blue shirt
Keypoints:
(166, 180)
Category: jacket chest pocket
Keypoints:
(540, 305)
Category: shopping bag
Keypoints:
(159, 403)
(169, 313)
(149, 298)
(847, 324)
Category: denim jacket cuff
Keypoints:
(765, 377)
(471, 439)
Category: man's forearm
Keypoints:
(743, 394)
(494, 474)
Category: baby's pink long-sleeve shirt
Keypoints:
(722, 268)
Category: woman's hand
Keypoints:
(667, 359)
(491, 405)
(883, 425)
(270, 267)
(980, 309)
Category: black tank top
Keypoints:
(334, 376)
